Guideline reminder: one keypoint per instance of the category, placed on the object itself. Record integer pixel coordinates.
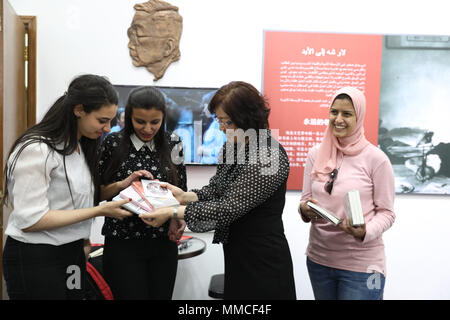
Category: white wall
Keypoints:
(222, 41)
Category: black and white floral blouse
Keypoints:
(141, 156)
(243, 182)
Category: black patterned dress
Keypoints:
(143, 159)
(139, 261)
(243, 203)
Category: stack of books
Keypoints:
(146, 196)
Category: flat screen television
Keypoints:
(189, 118)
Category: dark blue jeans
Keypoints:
(336, 284)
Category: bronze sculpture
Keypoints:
(154, 36)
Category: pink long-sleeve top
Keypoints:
(371, 173)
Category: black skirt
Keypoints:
(258, 263)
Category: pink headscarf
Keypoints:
(353, 144)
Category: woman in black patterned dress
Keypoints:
(244, 200)
(140, 261)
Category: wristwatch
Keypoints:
(175, 213)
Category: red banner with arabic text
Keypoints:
(301, 73)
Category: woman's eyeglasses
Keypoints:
(329, 185)
(225, 123)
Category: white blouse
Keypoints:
(38, 184)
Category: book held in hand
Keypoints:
(152, 188)
(141, 202)
(137, 205)
(353, 208)
(157, 195)
(327, 215)
(132, 206)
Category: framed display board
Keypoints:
(301, 73)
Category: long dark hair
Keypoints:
(144, 98)
(59, 125)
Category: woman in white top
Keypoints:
(50, 180)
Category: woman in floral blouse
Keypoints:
(140, 261)
(244, 200)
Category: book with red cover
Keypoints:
(137, 186)
(140, 202)
(137, 204)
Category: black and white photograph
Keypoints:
(414, 112)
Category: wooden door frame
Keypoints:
(30, 27)
(1, 113)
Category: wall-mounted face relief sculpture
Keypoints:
(154, 35)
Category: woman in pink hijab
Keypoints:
(344, 261)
